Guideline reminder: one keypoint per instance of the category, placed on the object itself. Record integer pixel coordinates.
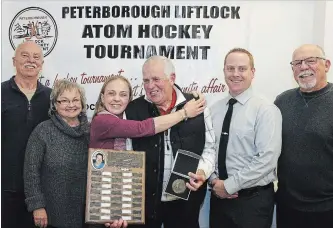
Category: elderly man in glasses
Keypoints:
(305, 167)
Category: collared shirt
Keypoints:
(172, 105)
(255, 139)
(208, 157)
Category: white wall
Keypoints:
(328, 36)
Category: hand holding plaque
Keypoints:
(185, 162)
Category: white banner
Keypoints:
(88, 41)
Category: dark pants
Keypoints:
(177, 213)
(290, 218)
(180, 214)
(149, 223)
(253, 209)
(14, 211)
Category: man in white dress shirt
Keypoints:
(242, 189)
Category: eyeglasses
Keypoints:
(308, 61)
(67, 102)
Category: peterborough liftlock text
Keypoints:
(154, 11)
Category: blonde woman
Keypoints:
(55, 167)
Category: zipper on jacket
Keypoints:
(29, 115)
(29, 106)
(159, 172)
(166, 135)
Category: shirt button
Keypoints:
(155, 170)
(155, 145)
(154, 194)
(153, 215)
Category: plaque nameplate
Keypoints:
(185, 162)
(115, 186)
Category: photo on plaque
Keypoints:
(115, 186)
(98, 159)
(185, 162)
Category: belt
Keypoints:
(253, 190)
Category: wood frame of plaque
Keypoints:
(185, 162)
(115, 186)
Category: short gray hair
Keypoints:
(322, 51)
(169, 68)
(30, 42)
(61, 86)
(313, 45)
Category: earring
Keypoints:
(53, 109)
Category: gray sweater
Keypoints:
(305, 167)
(55, 171)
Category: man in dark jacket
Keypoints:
(24, 104)
(195, 135)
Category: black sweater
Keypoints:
(305, 167)
(55, 171)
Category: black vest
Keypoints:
(188, 135)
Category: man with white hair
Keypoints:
(196, 135)
(24, 104)
(305, 167)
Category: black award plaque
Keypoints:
(185, 162)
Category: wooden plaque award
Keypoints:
(115, 186)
